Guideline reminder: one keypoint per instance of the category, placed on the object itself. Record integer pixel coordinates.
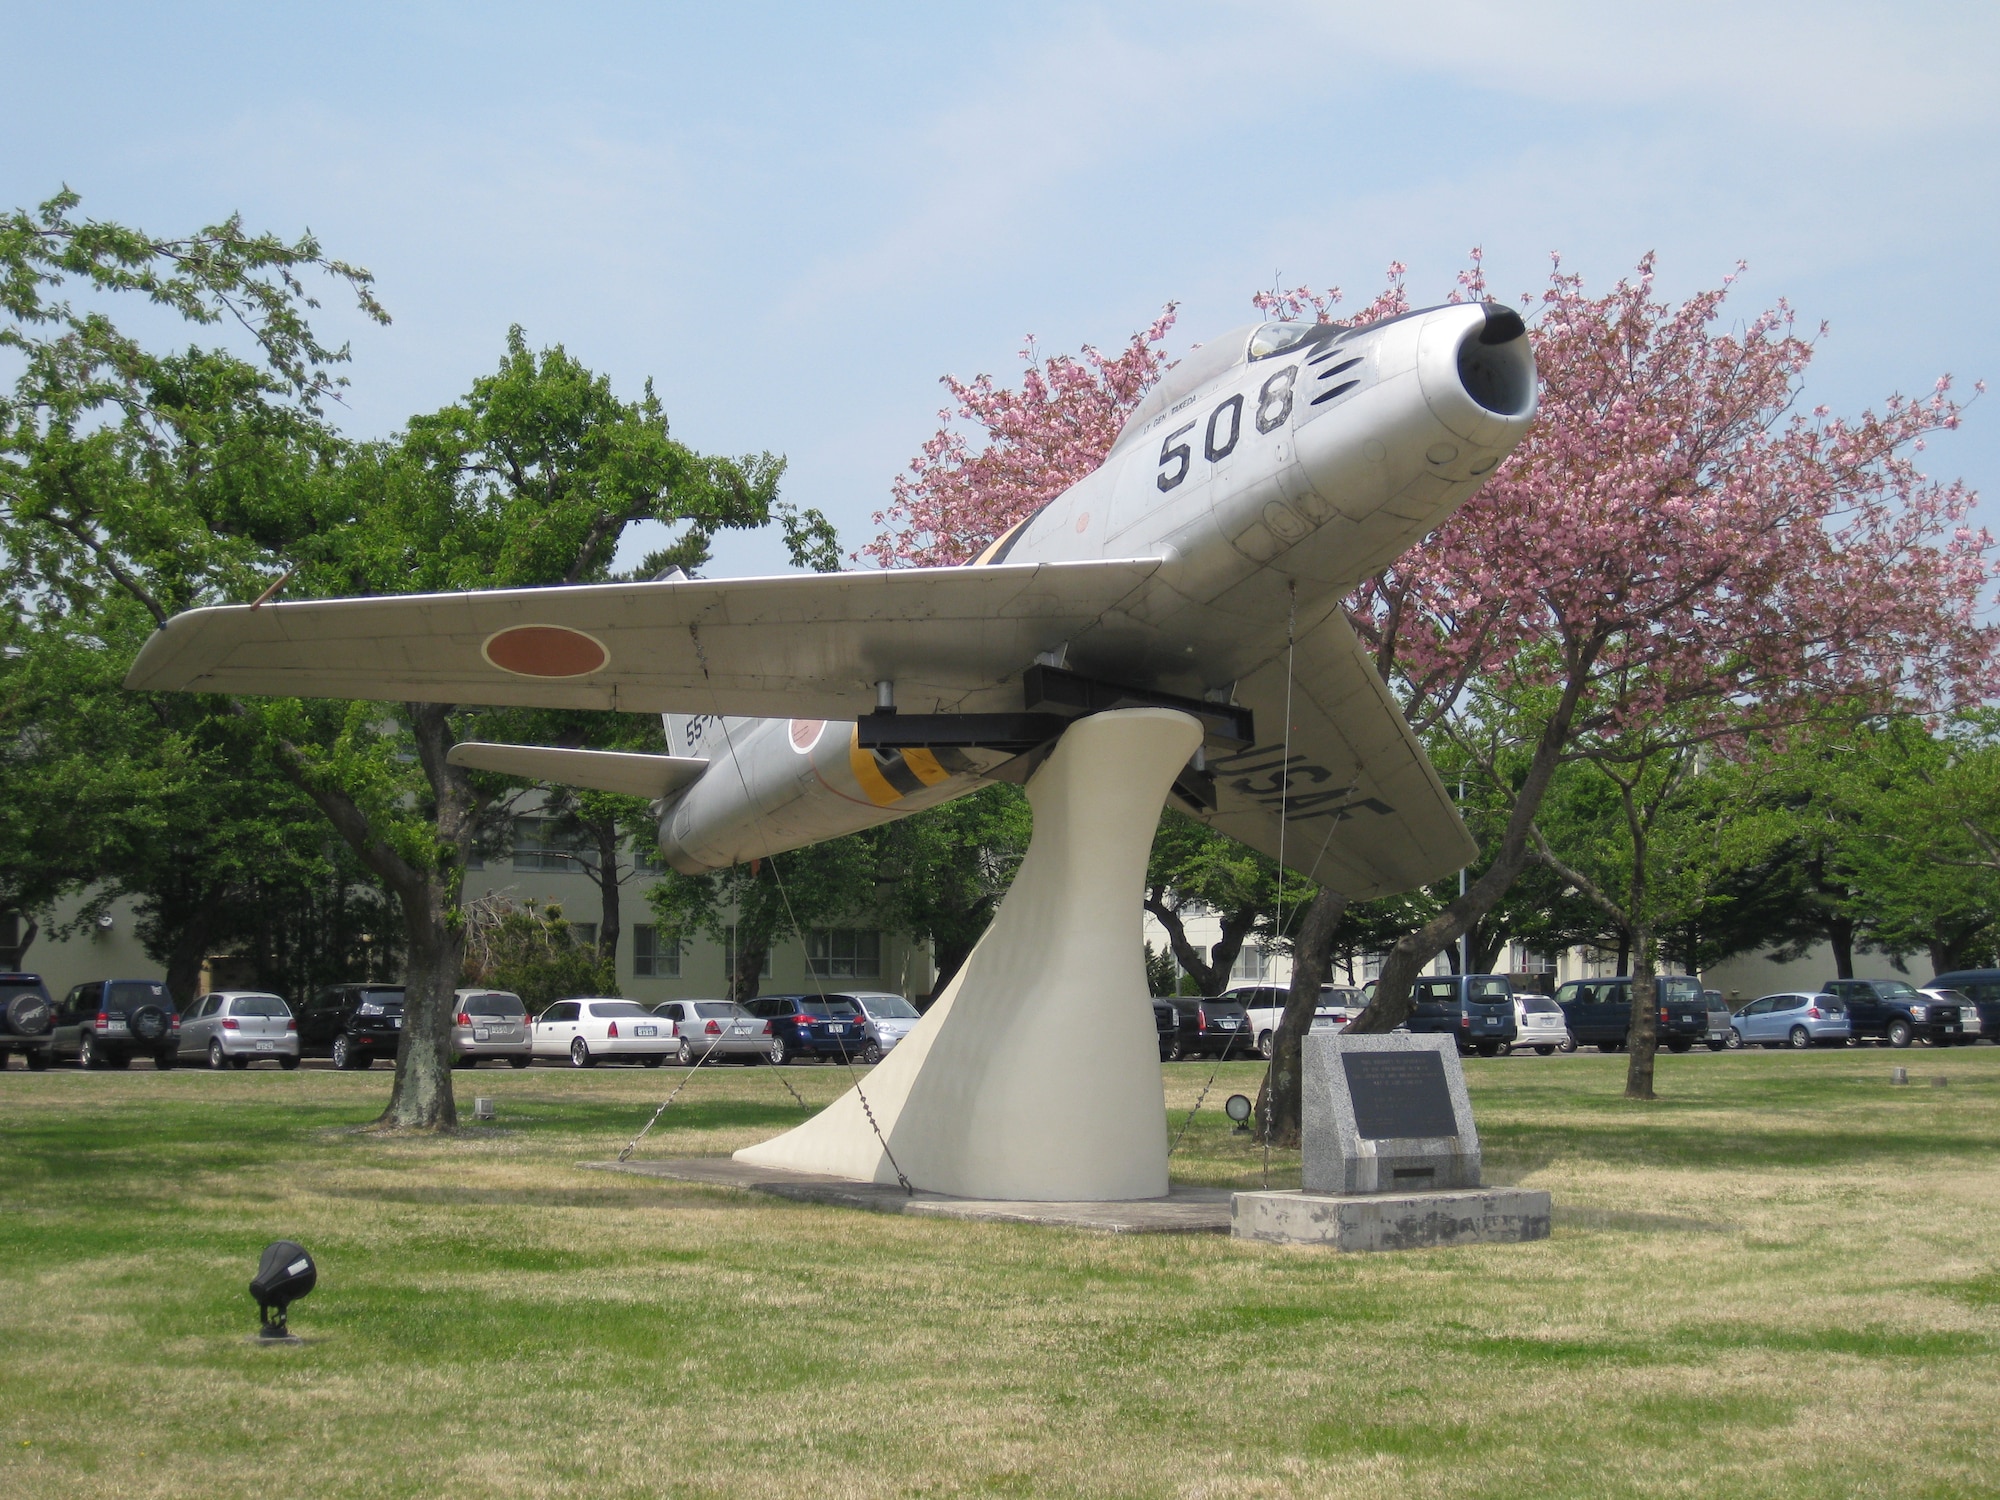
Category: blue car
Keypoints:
(812, 1026)
(1793, 1019)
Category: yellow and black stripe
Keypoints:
(888, 776)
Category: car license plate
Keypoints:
(837, 1030)
(645, 1031)
(396, 1022)
(482, 1034)
(739, 1031)
(265, 1046)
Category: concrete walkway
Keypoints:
(1185, 1210)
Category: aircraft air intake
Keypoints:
(1496, 366)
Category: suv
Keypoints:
(811, 1026)
(108, 1022)
(26, 1014)
(1599, 1011)
(1476, 1009)
(489, 1023)
(1264, 1007)
(1980, 986)
(352, 1023)
(1212, 1027)
(1895, 1011)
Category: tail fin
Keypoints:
(692, 736)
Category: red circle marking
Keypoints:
(806, 733)
(1083, 522)
(545, 651)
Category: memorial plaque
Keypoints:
(1386, 1114)
(1398, 1095)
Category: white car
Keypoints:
(710, 1030)
(587, 1030)
(1539, 1023)
(1264, 1004)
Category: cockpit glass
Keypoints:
(1276, 338)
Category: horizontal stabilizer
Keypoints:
(631, 775)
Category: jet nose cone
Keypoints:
(1478, 372)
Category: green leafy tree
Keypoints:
(533, 951)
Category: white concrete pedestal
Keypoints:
(1036, 1075)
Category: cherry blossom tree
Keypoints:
(1673, 541)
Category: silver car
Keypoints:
(712, 1030)
(890, 1019)
(1539, 1023)
(233, 1028)
(1793, 1019)
(490, 1023)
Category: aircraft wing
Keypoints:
(1364, 811)
(809, 645)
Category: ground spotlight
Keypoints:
(284, 1274)
(1237, 1107)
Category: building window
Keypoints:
(1252, 962)
(654, 957)
(585, 933)
(729, 956)
(537, 846)
(843, 953)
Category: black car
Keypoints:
(108, 1022)
(1599, 1011)
(812, 1026)
(1167, 1025)
(1896, 1011)
(1476, 1009)
(352, 1023)
(26, 1016)
(1980, 986)
(1214, 1026)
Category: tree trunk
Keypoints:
(190, 951)
(610, 920)
(743, 983)
(1210, 973)
(1624, 954)
(1840, 934)
(421, 1098)
(1278, 1102)
(1390, 1005)
(1644, 1038)
(949, 958)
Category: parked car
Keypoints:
(710, 1030)
(811, 1026)
(27, 1015)
(1167, 1026)
(1475, 1009)
(1538, 1023)
(232, 1028)
(1599, 1011)
(1264, 1006)
(1212, 1027)
(1981, 987)
(490, 1023)
(108, 1022)
(890, 1019)
(1896, 1012)
(352, 1023)
(589, 1030)
(1721, 1030)
(1792, 1019)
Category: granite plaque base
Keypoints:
(1392, 1221)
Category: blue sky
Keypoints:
(796, 218)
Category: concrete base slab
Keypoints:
(1185, 1210)
(1392, 1221)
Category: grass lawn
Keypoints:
(1783, 1279)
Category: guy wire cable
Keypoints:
(715, 702)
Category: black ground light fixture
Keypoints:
(284, 1274)
(1237, 1107)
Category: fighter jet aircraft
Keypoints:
(1201, 567)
